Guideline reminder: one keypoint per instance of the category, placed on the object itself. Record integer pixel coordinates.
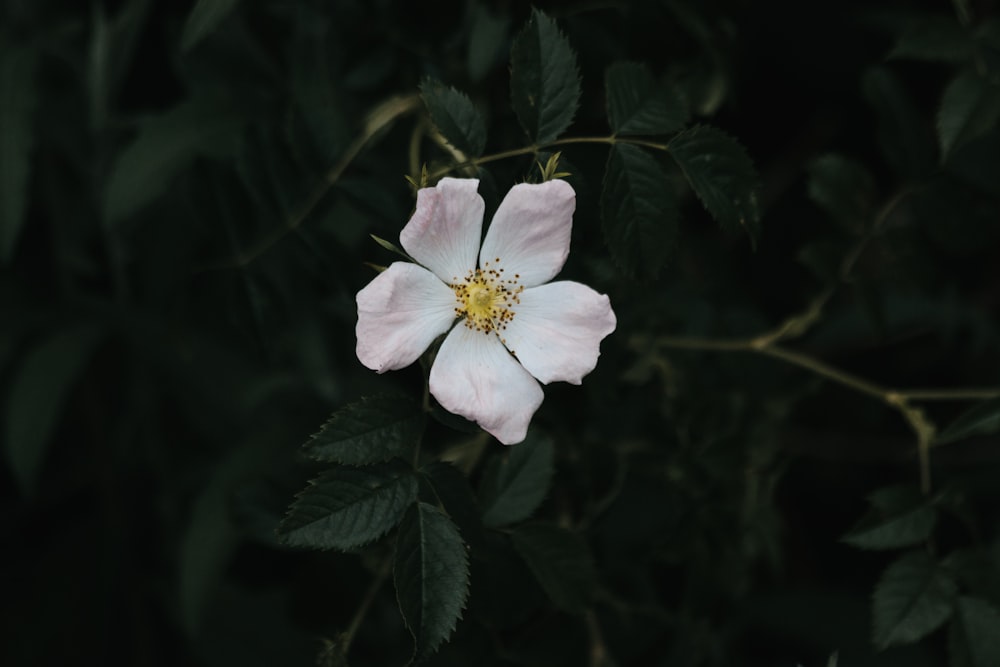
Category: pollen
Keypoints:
(486, 300)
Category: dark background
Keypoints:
(156, 380)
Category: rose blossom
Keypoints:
(514, 328)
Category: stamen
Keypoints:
(486, 300)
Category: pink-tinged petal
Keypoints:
(444, 232)
(400, 313)
(530, 231)
(557, 330)
(476, 377)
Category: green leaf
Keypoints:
(346, 507)
(912, 599)
(934, 39)
(514, 487)
(902, 132)
(544, 83)
(454, 492)
(638, 104)
(970, 107)
(165, 145)
(371, 430)
(560, 561)
(488, 38)
(844, 189)
(204, 18)
(211, 535)
(981, 419)
(978, 162)
(17, 108)
(455, 117)
(638, 211)
(38, 392)
(721, 174)
(974, 634)
(431, 575)
(900, 517)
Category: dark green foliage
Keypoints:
(560, 562)
(974, 634)
(372, 430)
(933, 38)
(455, 117)
(638, 211)
(914, 597)
(165, 145)
(42, 382)
(844, 189)
(902, 133)
(431, 575)
(970, 107)
(205, 16)
(451, 488)
(544, 83)
(188, 197)
(514, 486)
(17, 106)
(982, 419)
(721, 174)
(638, 104)
(346, 507)
(899, 517)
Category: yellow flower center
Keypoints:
(486, 298)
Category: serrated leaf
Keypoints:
(455, 117)
(544, 83)
(347, 507)
(981, 419)
(900, 517)
(38, 392)
(431, 574)
(454, 492)
(560, 561)
(974, 634)
(844, 189)
(17, 106)
(166, 144)
(371, 430)
(914, 597)
(638, 104)
(639, 214)
(204, 18)
(514, 486)
(969, 108)
(722, 175)
(933, 39)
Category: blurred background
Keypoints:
(185, 214)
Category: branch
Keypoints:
(900, 400)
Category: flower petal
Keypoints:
(557, 330)
(400, 313)
(530, 231)
(444, 232)
(476, 377)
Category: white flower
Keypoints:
(513, 326)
